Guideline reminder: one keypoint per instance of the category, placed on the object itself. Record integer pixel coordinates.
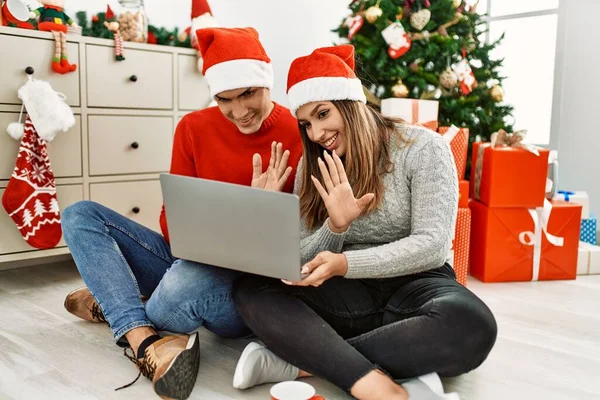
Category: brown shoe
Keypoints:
(171, 363)
(81, 303)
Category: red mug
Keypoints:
(294, 390)
(14, 11)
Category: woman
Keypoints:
(378, 203)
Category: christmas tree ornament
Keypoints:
(456, 3)
(354, 23)
(201, 18)
(497, 93)
(419, 19)
(414, 67)
(373, 13)
(398, 40)
(53, 19)
(465, 75)
(400, 90)
(448, 79)
(113, 26)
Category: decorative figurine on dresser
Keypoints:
(52, 18)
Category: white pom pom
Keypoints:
(15, 130)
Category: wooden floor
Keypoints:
(548, 346)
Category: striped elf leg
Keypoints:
(56, 65)
(119, 47)
(64, 59)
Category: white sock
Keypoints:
(427, 387)
(258, 365)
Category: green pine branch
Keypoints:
(420, 68)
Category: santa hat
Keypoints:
(200, 7)
(324, 75)
(234, 58)
(110, 15)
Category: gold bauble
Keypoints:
(497, 93)
(457, 3)
(400, 90)
(448, 79)
(373, 13)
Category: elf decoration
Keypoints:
(30, 197)
(53, 19)
(113, 26)
(201, 18)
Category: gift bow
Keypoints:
(499, 139)
(514, 140)
(540, 217)
(566, 194)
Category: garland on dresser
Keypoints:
(156, 35)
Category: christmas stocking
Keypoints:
(30, 197)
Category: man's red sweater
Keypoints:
(207, 145)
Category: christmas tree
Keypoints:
(430, 49)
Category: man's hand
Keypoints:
(324, 266)
(277, 173)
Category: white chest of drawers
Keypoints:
(126, 114)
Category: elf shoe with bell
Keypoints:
(68, 67)
(58, 67)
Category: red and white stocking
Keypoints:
(30, 197)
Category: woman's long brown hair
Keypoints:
(368, 158)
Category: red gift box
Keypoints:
(460, 245)
(459, 144)
(508, 177)
(520, 244)
(463, 194)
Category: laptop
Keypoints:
(233, 226)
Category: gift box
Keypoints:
(460, 245)
(589, 230)
(463, 194)
(576, 197)
(520, 244)
(459, 144)
(413, 111)
(508, 177)
(588, 260)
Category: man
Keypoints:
(121, 261)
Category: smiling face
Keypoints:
(247, 108)
(324, 125)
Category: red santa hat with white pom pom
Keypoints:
(324, 75)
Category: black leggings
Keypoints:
(407, 326)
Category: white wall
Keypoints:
(577, 133)
(167, 13)
(287, 29)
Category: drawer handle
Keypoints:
(133, 78)
(134, 145)
(135, 210)
(29, 70)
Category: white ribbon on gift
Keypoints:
(451, 133)
(540, 217)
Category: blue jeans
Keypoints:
(120, 261)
